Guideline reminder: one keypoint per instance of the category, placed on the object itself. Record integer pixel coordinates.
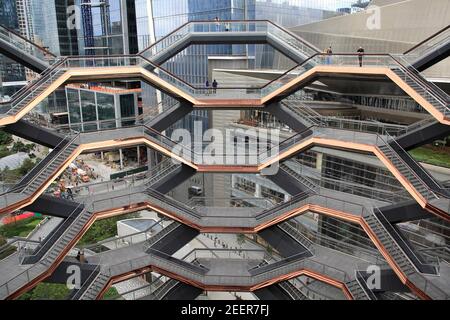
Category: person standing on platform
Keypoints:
(329, 53)
(214, 85)
(360, 55)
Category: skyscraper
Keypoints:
(10, 71)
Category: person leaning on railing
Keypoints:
(326, 55)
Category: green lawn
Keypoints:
(103, 229)
(111, 294)
(7, 252)
(4, 151)
(20, 228)
(432, 156)
(47, 291)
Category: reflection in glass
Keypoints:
(106, 110)
(127, 108)
(73, 104)
(88, 110)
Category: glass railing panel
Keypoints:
(201, 27)
(25, 45)
(299, 44)
(430, 90)
(165, 42)
(428, 45)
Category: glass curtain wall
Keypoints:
(95, 110)
(9, 69)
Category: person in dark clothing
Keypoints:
(207, 87)
(214, 85)
(360, 55)
(69, 193)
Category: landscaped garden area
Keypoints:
(20, 228)
(103, 229)
(437, 156)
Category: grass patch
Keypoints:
(103, 229)
(434, 156)
(7, 252)
(4, 152)
(111, 294)
(47, 291)
(20, 228)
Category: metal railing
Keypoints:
(345, 186)
(437, 187)
(161, 234)
(426, 191)
(73, 142)
(415, 277)
(142, 291)
(24, 44)
(59, 148)
(18, 281)
(286, 227)
(90, 279)
(399, 237)
(19, 244)
(232, 26)
(314, 59)
(249, 202)
(123, 241)
(66, 224)
(435, 40)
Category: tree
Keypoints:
(5, 138)
(240, 239)
(4, 152)
(27, 165)
(19, 146)
(103, 229)
(111, 294)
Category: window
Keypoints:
(73, 107)
(88, 110)
(106, 110)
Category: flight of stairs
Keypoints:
(418, 184)
(292, 291)
(67, 236)
(303, 180)
(30, 94)
(437, 103)
(49, 169)
(356, 290)
(394, 250)
(94, 289)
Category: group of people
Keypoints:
(328, 52)
(214, 86)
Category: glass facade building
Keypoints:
(107, 27)
(9, 70)
(91, 109)
(50, 26)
